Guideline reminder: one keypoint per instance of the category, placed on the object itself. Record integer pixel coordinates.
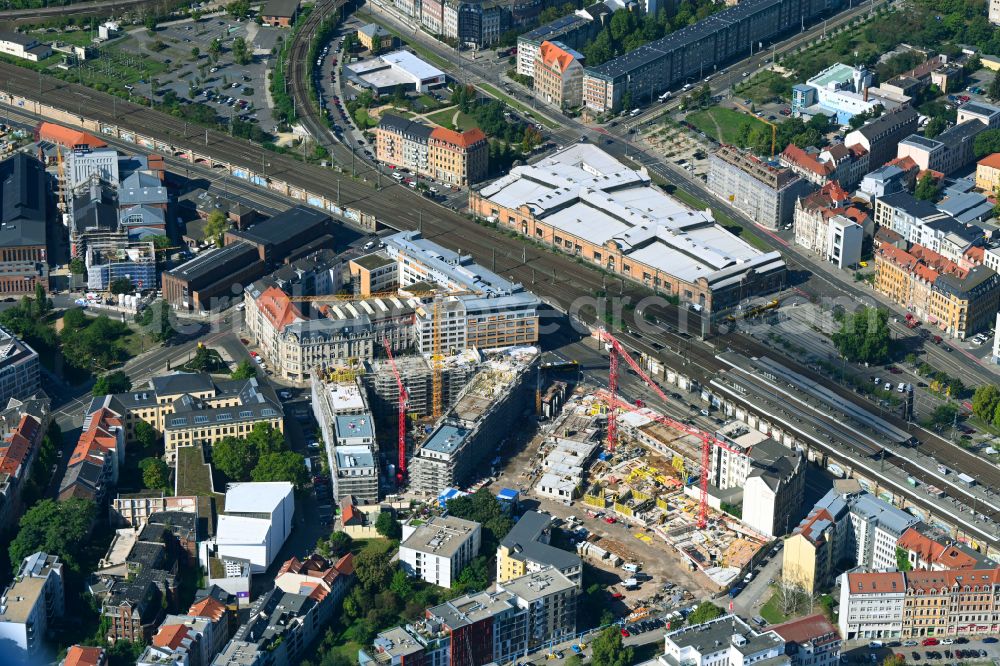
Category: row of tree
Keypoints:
(262, 455)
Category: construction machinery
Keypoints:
(614, 403)
(404, 399)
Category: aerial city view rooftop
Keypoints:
(468, 333)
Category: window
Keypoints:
(201, 419)
(246, 414)
(267, 411)
(225, 416)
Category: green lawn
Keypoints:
(722, 123)
(194, 477)
(444, 119)
(765, 86)
(770, 612)
(75, 37)
(363, 119)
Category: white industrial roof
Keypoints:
(346, 398)
(234, 530)
(586, 192)
(254, 497)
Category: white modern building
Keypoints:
(257, 521)
(28, 605)
(399, 68)
(871, 605)
(725, 641)
(437, 550)
(844, 237)
(23, 46)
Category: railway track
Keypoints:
(77, 9)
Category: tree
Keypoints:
(77, 266)
(387, 525)
(42, 302)
(986, 143)
(195, 52)
(574, 660)
(215, 49)
(113, 382)
(894, 660)
(943, 415)
(235, 457)
(864, 337)
(156, 320)
(57, 528)
(994, 90)
(985, 401)
(216, 226)
(340, 544)
(482, 506)
(125, 652)
(374, 567)
(239, 9)
(475, 576)
(155, 474)
(792, 598)
(903, 560)
(608, 649)
(282, 466)
(927, 187)
(935, 126)
(244, 370)
(241, 52)
(704, 612)
(145, 436)
(266, 438)
(121, 285)
(205, 359)
(401, 585)
(150, 23)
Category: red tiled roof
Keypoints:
(170, 635)
(550, 54)
(98, 440)
(461, 139)
(815, 629)
(976, 254)
(992, 161)
(806, 160)
(78, 655)
(349, 513)
(876, 583)
(277, 308)
(17, 448)
(806, 528)
(209, 607)
(64, 136)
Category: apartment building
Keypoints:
(341, 410)
(725, 641)
(373, 273)
(19, 368)
(764, 193)
(881, 136)
(526, 549)
(871, 605)
(574, 30)
(558, 75)
(925, 224)
(463, 443)
(374, 37)
(949, 151)
(285, 621)
(18, 451)
(193, 408)
(455, 158)
(437, 550)
(994, 12)
(33, 600)
(988, 174)
(932, 548)
(846, 525)
(694, 51)
(92, 469)
(810, 641)
(959, 301)
(916, 604)
(494, 626)
(837, 163)
(771, 476)
(584, 202)
(79, 655)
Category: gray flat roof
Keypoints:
(524, 542)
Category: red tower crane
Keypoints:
(404, 400)
(615, 403)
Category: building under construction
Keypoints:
(468, 436)
(341, 410)
(418, 378)
(133, 260)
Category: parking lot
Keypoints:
(925, 651)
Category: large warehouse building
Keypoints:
(586, 203)
(694, 51)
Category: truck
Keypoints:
(630, 584)
(630, 567)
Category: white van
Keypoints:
(635, 112)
